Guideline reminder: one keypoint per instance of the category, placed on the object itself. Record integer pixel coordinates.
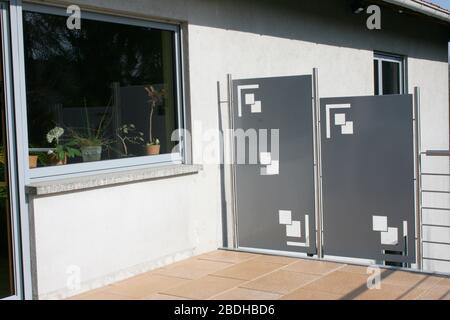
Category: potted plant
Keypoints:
(59, 154)
(33, 161)
(91, 147)
(127, 133)
(91, 141)
(156, 98)
(153, 148)
(33, 158)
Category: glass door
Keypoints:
(8, 235)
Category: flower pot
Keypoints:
(32, 160)
(54, 161)
(153, 149)
(91, 153)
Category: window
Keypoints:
(388, 74)
(108, 91)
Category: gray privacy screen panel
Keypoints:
(368, 177)
(275, 189)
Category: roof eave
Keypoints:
(423, 8)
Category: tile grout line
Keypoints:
(109, 289)
(320, 276)
(231, 264)
(434, 286)
(246, 280)
(264, 275)
(166, 294)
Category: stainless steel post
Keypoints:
(418, 165)
(317, 162)
(232, 164)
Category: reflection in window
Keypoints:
(391, 77)
(106, 91)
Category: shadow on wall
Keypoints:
(332, 23)
(320, 21)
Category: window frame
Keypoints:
(379, 57)
(114, 165)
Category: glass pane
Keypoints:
(376, 77)
(105, 91)
(6, 261)
(391, 77)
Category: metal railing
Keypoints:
(433, 153)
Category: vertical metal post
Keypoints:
(317, 162)
(224, 211)
(418, 166)
(232, 164)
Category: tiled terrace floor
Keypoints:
(226, 275)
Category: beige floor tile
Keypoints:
(160, 296)
(280, 281)
(444, 281)
(346, 284)
(248, 270)
(390, 292)
(436, 293)
(227, 256)
(99, 294)
(237, 294)
(354, 269)
(408, 279)
(144, 285)
(313, 267)
(192, 268)
(276, 259)
(203, 288)
(303, 294)
(95, 291)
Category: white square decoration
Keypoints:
(285, 216)
(347, 128)
(390, 237)
(273, 169)
(249, 98)
(380, 223)
(339, 119)
(256, 107)
(294, 230)
(265, 158)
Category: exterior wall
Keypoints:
(108, 234)
(112, 233)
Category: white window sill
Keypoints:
(110, 179)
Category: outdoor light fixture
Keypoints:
(358, 7)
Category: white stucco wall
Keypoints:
(111, 233)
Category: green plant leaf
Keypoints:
(61, 155)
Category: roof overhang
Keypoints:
(423, 7)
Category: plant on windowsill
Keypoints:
(156, 99)
(33, 161)
(91, 141)
(59, 154)
(153, 148)
(127, 133)
(36, 158)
